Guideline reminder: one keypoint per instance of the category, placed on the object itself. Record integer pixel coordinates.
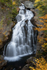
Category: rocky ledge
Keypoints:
(2, 62)
(29, 4)
(30, 62)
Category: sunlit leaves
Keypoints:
(13, 3)
(42, 37)
(41, 64)
(43, 26)
(41, 5)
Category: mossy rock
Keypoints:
(29, 4)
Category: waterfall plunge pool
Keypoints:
(17, 65)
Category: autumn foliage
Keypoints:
(41, 6)
(41, 63)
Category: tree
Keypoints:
(41, 5)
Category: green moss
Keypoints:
(9, 21)
(14, 12)
(10, 9)
(6, 2)
(1, 22)
(45, 31)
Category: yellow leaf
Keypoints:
(13, 3)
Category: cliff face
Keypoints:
(5, 23)
(7, 13)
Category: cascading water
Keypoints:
(23, 37)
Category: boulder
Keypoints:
(33, 12)
(2, 61)
(30, 60)
(34, 21)
(18, 18)
(26, 67)
(28, 4)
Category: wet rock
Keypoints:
(19, 18)
(26, 67)
(26, 21)
(28, 4)
(34, 21)
(36, 18)
(30, 60)
(33, 12)
(2, 61)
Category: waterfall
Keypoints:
(23, 37)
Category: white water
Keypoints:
(22, 40)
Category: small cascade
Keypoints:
(23, 37)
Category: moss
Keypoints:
(4, 2)
(8, 4)
(8, 22)
(1, 23)
(14, 12)
(45, 31)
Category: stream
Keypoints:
(23, 41)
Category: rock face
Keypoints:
(2, 61)
(28, 4)
(33, 10)
(18, 18)
(30, 60)
(29, 63)
(5, 24)
(26, 67)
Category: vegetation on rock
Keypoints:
(41, 62)
(8, 11)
